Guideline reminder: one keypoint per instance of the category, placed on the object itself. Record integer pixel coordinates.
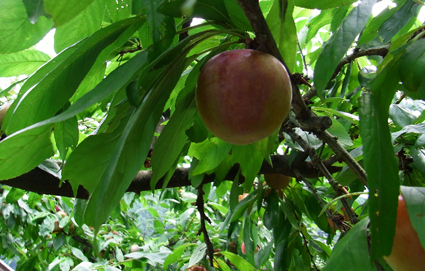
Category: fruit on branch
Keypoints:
(196, 268)
(276, 180)
(407, 252)
(243, 248)
(243, 95)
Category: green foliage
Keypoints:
(106, 164)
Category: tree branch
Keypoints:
(379, 51)
(315, 158)
(42, 182)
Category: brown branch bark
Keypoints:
(42, 182)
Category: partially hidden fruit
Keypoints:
(407, 253)
(243, 95)
(243, 248)
(241, 197)
(196, 268)
(3, 111)
(276, 180)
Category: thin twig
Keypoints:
(203, 229)
(302, 57)
(316, 159)
(308, 251)
(342, 153)
(381, 51)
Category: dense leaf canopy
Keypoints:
(105, 163)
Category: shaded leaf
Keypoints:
(207, 9)
(379, 160)
(339, 43)
(132, 148)
(64, 11)
(353, 249)
(401, 17)
(323, 4)
(35, 9)
(172, 138)
(282, 26)
(210, 153)
(412, 68)
(162, 27)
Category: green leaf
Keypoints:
(282, 26)
(250, 161)
(132, 147)
(35, 9)
(339, 43)
(173, 137)
(23, 62)
(210, 153)
(402, 16)
(273, 215)
(371, 30)
(162, 27)
(353, 249)
(80, 168)
(176, 255)
(14, 195)
(45, 99)
(414, 197)
(24, 150)
(40, 147)
(333, 112)
(207, 9)
(401, 116)
(16, 31)
(339, 131)
(87, 22)
(64, 11)
(412, 68)
(323, 4)
(119, 10)
(237, 15)
(158, 226)
(238, 261)
(379, 159)
(66, 135)
(198, 254)
(324, 18)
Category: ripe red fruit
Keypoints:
(407, 252)
(243, 95)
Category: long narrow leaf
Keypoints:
(379, 159)
(339, 43)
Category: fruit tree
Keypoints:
(170, 134)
